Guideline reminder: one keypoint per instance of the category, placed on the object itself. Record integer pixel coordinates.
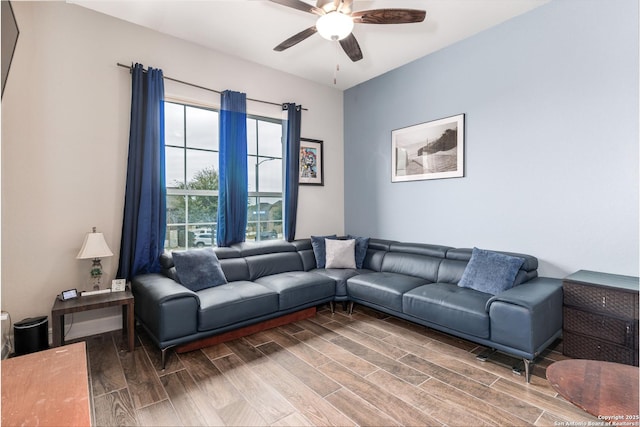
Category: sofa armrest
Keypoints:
(527, 317)
(166, 308)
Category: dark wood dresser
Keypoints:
(601, 317)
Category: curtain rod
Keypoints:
(202, 87)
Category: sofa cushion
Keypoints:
(319, 250)
(425, 267)
(362, 244)
(234, 302)
(340, 253)
(451, 306)
(382, 288)
(451, 271)
(340, 275)
(464, 254)
(247, 249)
(424, 249)
(274, 263)
(235, 269)
(490, 272)
(198, 269)
(297, 288)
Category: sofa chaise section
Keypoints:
(419, 283)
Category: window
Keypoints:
(191, 149)
(264, 215)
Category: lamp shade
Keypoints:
(334, 25)
(94, 246)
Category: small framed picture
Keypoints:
(311, 162)
(118, 285)
(431, 150)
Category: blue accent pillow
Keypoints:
(319, 249)
(198, 269)
(362, 244)
(490, 272)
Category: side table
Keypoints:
(93, 302)
(606, 390)
(600, 317)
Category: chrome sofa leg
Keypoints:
(164, 357)
(517, 369)
(527, 369)
(332, 306)
(528, 365)
(350, 308)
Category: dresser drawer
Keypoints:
(599, 326)
(583, 347)
(600, 299)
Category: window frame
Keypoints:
(256, 194)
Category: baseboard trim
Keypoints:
(247, 330)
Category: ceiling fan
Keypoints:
(336, 20)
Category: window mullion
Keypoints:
(184, 167)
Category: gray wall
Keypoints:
(551, 105)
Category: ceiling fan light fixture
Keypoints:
(334, 25)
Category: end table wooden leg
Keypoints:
(131, 332)
(57, 328)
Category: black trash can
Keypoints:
(31, 335)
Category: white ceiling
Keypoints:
(250, 29)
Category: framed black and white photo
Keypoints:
(311, 162)
(431, 150)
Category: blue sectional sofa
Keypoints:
(413, 281)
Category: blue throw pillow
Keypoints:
(198, 269)
(490, 272)
(362, 244)
(319, 249)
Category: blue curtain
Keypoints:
(233, 179)
(291, 128)
(144, 224)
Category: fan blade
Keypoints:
(388, 16)
(351, 47)
(294, 40)
(300, 5)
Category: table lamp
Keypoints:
(95, 247)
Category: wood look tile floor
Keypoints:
(333, 369)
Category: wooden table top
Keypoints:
(606, 390)
(47, 388)
(90, 302)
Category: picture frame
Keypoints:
(118, 285)
(10, 34)
(311, 169)
(431, 150)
